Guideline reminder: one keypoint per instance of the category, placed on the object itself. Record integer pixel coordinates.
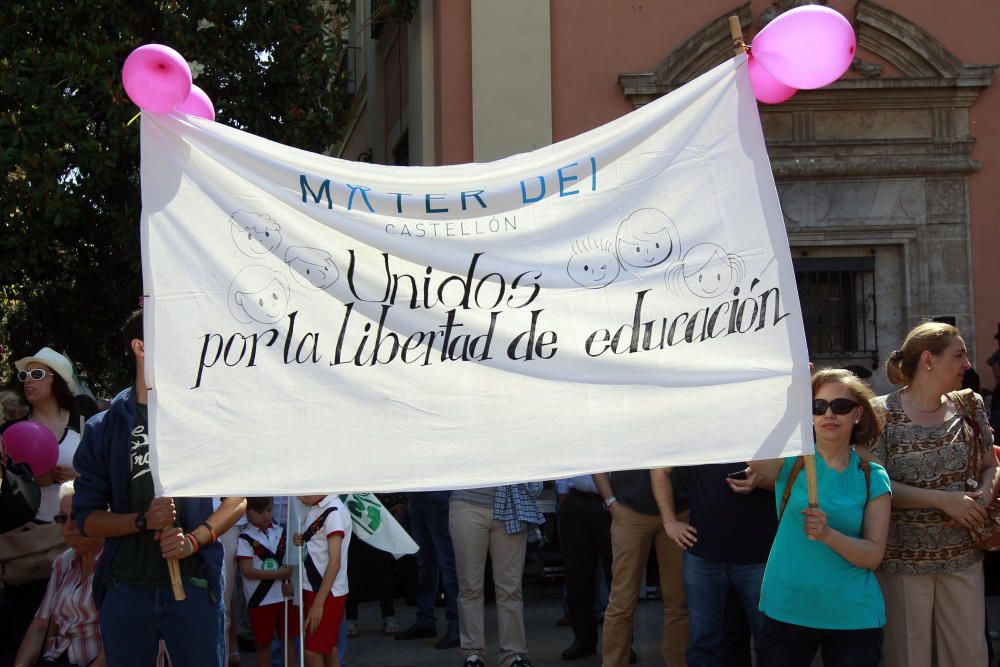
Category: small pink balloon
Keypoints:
(766, 88)
(198, 104)
(806, 47)
(30, 442)
(156, 78)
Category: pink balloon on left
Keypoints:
(30, 442)
(198, 104)
(156, 78)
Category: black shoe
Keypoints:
(578, 650)
(474, 661)
(520, 661)
(416, 632)
(448, 640)
(632, 657)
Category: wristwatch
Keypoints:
(140, 522)
(608, 502)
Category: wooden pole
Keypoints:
(739, 46)
(811, 488)
(175, 579)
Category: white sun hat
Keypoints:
(57, 362)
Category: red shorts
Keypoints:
(324, 638)
(270, 619)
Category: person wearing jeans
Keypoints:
(428, 523)
(726, 543)
(114, 499)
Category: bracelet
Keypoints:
(211, 531)
(609, 501)
(195, 544)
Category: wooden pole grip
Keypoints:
(736, 31)
(175, 579)
(811, 488)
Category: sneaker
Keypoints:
(352, 629)
(520, 661)
(473, 661)
(389, 625)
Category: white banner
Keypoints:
(621, 299)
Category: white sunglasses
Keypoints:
(36, 374)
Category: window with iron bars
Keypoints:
(838, 305)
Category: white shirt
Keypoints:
(337, 522)
(49, 505)
(269, 538)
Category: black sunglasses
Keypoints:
(840, 406)
(63, 518)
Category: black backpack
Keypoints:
(19, 495)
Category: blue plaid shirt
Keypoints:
(515, 506)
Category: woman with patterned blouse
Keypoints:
(66, 629)
(932, 574)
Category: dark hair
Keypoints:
(971, 381)
(859, 371)
(86, 406)
(132, 329)
(933, 337)
(869, 425)
(260, 504)
(60, 392)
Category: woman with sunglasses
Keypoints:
(47, 383)
(819, 591)
(932, 575)
(65, 630)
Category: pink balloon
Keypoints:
(806, 47)
(198, 104)
(30, 442)
(156, 78)
(765, 87)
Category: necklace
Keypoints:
(914, 405)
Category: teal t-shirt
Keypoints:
(806, 582)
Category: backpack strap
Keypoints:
(792, 474)
(866, 468)
(970, 428)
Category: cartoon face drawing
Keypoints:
(259, 294)
(255, 234)
(711, 278)
(593, 264)
(707, 271)
(647, 238)
(312, 267)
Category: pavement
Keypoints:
(546, 640)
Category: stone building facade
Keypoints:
(887, 198)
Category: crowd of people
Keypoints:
(869, 551)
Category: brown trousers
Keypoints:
(632, 535)
(951, 608)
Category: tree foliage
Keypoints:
(69, 186)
